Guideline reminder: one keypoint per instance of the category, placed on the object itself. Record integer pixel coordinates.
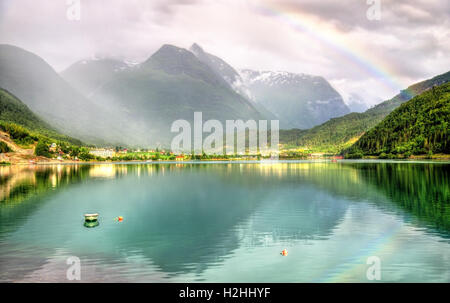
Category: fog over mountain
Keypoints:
(298, 100)
(89, 74)
(356, 104)
(36, 83)
(120, 102)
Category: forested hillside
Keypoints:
(419, 126)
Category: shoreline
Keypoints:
(227, 161)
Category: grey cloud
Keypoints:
(350, 14)
(411, 38)
(167, 6)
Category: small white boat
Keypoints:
(90, 217)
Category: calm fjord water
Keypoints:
(227, 222)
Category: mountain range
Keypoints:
(296, 100)
(175, 82)
(171, 85)
(109, 101)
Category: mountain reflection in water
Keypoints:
(218, 222)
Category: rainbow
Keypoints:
(375, 247)
(351, 52)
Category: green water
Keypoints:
(223, 222)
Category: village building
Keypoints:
(52, 148)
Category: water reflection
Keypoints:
(188, 218)
(420, 190)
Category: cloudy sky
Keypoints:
(335, 39)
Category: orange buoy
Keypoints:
(284, 252)
(119, 218)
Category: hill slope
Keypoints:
(339, 133)
(37, 85)
(12, 110)
(418, 126)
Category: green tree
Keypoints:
(419, 126)
(42, 149)
(75, 151)
(4, 148)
